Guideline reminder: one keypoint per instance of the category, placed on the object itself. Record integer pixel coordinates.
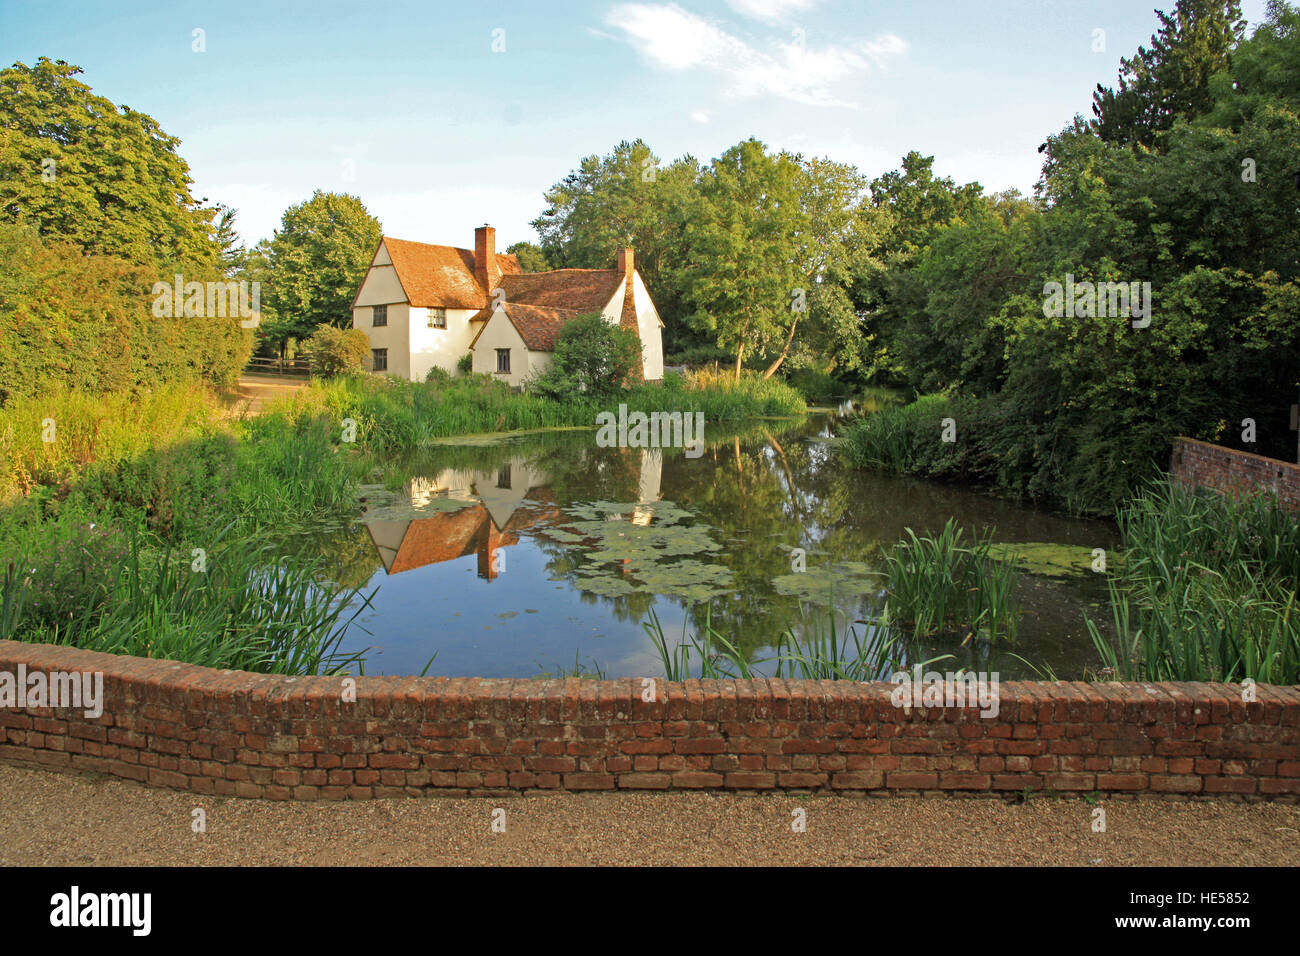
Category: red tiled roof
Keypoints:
(577, 290)
(537, 326)
(441, 276)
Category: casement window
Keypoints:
(503, 360)
(379, 360)
(380, 316)
(437, 318)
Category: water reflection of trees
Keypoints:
(763, 489)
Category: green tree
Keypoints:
(907, 207)
(625, 199)
(741, 274)
(316, 260)
(1172, 78)
(531, 257)
(592, 357)
(81, 169)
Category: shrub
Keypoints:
(591, 358)
(465, 364)
(86, 324)
(337, 351)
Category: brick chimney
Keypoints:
(626, 261)
(486, 268)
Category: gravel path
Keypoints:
(51, 817)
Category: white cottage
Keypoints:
(423, 306)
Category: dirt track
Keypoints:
(48, 817)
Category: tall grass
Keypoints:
(92, 428)
(396, 414)
(940, 584)
(249, 609)
(1206, 590)
(822, 644)
(889, 439)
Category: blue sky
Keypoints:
(407, 104)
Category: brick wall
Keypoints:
(228, 732)
(1203, 465)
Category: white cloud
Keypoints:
(699, 116)
(769, 10)
(674, 39)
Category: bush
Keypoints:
(86, 324)
(337, 351)
(465, 364)
(592, 358)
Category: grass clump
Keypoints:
(1206, 590)
(939, 584)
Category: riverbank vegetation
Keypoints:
(102, 525)
(1206, 590)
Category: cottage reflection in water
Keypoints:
(496, 506)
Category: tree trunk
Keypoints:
(740, 354)
(771, 369)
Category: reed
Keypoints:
(822, 644)
(887, 439)
(940, 584)
(250, 609)
(1206, 590)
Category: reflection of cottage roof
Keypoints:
(442, 276)
(449, 535)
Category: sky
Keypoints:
(444, 116)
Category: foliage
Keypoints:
(118, 186)
(592, 358)
(68, 320)
(1077, 410)
(336, 351)
(1206, 590)
(531, 258)
(1172, 78)
(316, 261)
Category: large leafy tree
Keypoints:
(908, 206)
(314, 263)
(623, 199)
(1172, 77)
(531, 258)
(742, 274)
(78, 168)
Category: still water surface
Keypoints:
(540, 554)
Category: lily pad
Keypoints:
(827, 584)
(1045, 558)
